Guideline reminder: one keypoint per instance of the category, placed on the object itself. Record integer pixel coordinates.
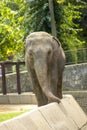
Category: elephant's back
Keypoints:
(39, 34)
(38, 38)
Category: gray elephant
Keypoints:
(45, 61)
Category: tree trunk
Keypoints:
(53, 25)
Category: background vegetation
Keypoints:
(20, 18)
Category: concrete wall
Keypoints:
(80, 97)
(11, 82)
(75, 78)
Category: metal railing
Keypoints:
(76, 56)
(3, 70)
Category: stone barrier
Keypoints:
(66, 115)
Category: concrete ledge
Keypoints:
(80, 97)
(64, 116)
(24, 98)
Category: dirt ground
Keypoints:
(15, 108)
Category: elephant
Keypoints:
(45, 61)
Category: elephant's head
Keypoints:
(41, 50)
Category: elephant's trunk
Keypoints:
(41, 70)
(40, 66)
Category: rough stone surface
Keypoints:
(80, 97)
(64, 116)
(75, 77)
(74, 111)
(58, 119)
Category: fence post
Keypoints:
(4, 90)
(18, 78)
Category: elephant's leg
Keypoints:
(41, 98)
(53, 79)
(59, 87)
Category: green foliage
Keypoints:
(11, 33)
(66, 13)
(83, 22)
(71, 29)
(68, 29)
(37, 17)
(20, 18)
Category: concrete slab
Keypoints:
(84, 127)
(14, 125)
(35, 121)
(33, 99)
(73, 110)
(14, 99)
(4, 99)
(56, 118)
(29, 121)
(25, 99)
(3, 127)
(26, 121)
(28, 99)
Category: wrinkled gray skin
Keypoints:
(45, 62)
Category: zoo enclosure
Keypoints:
(72, 57)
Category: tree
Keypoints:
(53, 25)
(39, 18)
(83, 22)
(20, 18)
(10, 31)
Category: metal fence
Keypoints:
(76, 56)
(8, 65)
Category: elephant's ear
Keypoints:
(57, 40)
